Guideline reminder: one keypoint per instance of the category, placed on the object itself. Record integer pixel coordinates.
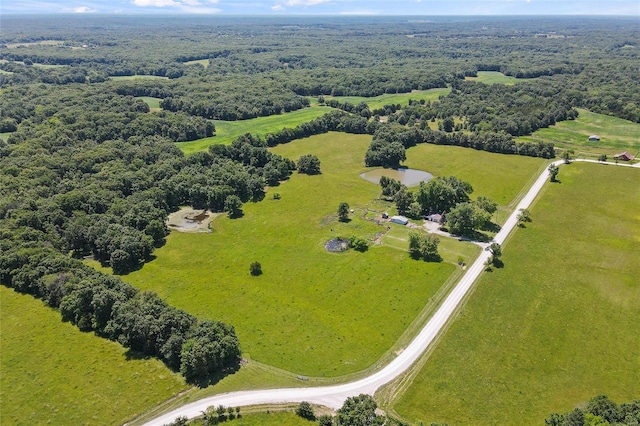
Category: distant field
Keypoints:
(228, 131)
(203, 62)
(495, 77)
(310, 312)
(389, 99)
(616, 135)
(558, 324)
(154, 103)
(35, 65)
(53, 373)
(35, 43)
(136, 77)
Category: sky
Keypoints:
(326, 7)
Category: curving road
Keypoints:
(334, 396)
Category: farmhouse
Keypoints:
(401, 220)
(435, 217)
(594, 138)
(625, 156)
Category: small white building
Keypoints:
(400, 220)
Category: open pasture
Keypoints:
(228, 131)
(616, 135)
(203, 62)
(308, 300)
(53, 373)
(154, 103)
(495, 77)
(53, 43)
(558, 324)
(500, 177)
(391, 98)
(137, 77)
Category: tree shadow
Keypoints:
(498, 263)
(216, 377)
(491, 227)
(135, 355)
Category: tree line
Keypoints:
(115, 310)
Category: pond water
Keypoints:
(408, 177)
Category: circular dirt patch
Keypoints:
(189, 220)
(337, 245)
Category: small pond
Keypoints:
(408, 177)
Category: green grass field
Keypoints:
(558, 324)
(497, 176)
(616, 135)
(228, 131)
(203, 62)
(50, 372)
(154, 103)
(390, 99)
(495, 77)
(310, 301)
(137, 77)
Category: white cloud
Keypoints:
(305, 2)
(277, 7)
(184, 6)
(83, 9)
(155, 3)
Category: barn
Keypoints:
(400, 220)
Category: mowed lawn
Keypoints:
(228, 131)
(558, 324)
(616, 135)
(52, 373)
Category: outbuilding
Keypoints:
(400, 220)
(437, 218)
(624, 156)
(594, 138)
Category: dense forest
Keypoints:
(87, 168)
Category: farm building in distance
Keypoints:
(594, 138)
(400, 220)
(437, 218)
(625, 156)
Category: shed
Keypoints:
(594, 138)
(625, 156)
(400, 220)
(437, 218)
